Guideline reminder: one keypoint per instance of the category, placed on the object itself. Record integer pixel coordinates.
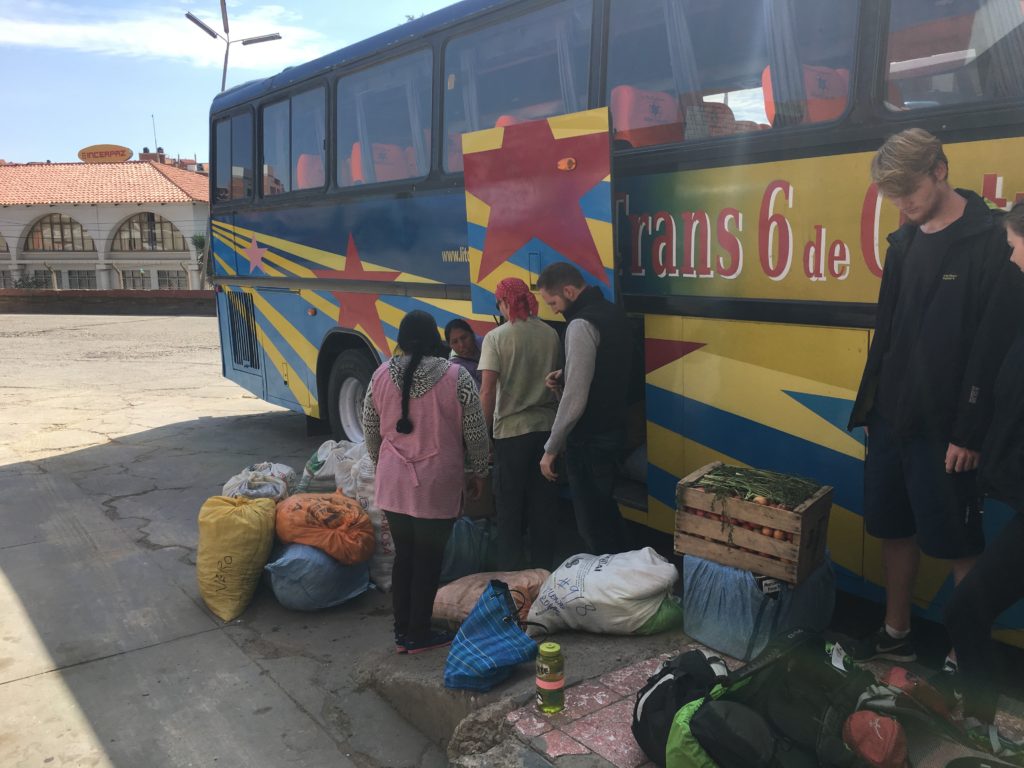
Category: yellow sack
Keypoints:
(235, 537)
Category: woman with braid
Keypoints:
(423, 426)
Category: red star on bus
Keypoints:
(531, 198)
(254, 254)
(359, 310)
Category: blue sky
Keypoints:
(93, 71)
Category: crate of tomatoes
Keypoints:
(765, 522)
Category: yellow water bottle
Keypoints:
(550, 679)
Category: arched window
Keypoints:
(148, 232)
(3, 245)
(58, 232)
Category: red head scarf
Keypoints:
(521, 303)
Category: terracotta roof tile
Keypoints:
(86, 183)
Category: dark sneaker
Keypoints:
(400, 643)
(882, 645)
(433, 640)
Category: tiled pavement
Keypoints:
(596, 719)
(594, 728)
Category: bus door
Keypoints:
(537, 193)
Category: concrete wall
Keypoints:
(109, 302)
(101, 222)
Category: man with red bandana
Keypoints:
(520, 410)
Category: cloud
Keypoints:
(163, 34)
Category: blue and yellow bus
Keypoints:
(733, 217)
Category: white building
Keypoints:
(101, 225)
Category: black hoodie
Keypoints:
(971, 306)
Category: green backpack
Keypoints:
(786, 709)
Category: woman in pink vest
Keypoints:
(423, 427)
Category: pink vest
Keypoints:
(420, 474)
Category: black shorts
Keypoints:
(907, 492)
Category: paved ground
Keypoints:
(115, 429)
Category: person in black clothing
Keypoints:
(997, 580)
(590, 424)
(925, 398)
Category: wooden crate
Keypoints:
(728, 542)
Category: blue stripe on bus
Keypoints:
(476, 235)
(834, 410)
(662, 485)
(758, 445)
(597, 202)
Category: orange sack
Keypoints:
(332, 523)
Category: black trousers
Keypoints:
(523, 498)
(591, 462)
(419, 550)
(994, 584)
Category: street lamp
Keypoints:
(226, 37)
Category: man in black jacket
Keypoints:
(590, 424)
(925, 398)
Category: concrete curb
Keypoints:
(472, 724)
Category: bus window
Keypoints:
(277, 175)
(692, 69)
(293, 143)
(384, 121)
(241, 157)
(233, 158)
(527, 68)
(953, 52)
(222, 151)
(308, 154)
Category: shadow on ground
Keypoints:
(108, 655)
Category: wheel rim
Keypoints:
(350, 408)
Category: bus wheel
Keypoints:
(346, 389)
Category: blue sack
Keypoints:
(725, 609)
(305, 578)
(489, 644)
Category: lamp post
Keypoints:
(226, 37)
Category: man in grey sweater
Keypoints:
(590, 423)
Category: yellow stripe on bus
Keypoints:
(276, 258)
(316, 255)
(316, 300)
(306, 351)
(579, 123)
(223, 264)
(477, 211)
(294, 380)
(757, 393)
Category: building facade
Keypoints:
(102, 225)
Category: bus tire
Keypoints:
(346, 388)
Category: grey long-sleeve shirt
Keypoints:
(581, 340)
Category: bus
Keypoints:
(734, 218)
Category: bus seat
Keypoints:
(504, 120)
(826, 90)
(309, 171)
(389, 162)
(643, 118)
(412, 166)
(742, 126)
(355, 163)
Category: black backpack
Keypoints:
(685, 678)
(785, 709)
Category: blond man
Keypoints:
(925, 398)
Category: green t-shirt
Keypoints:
(522, 354)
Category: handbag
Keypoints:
(489, 644)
